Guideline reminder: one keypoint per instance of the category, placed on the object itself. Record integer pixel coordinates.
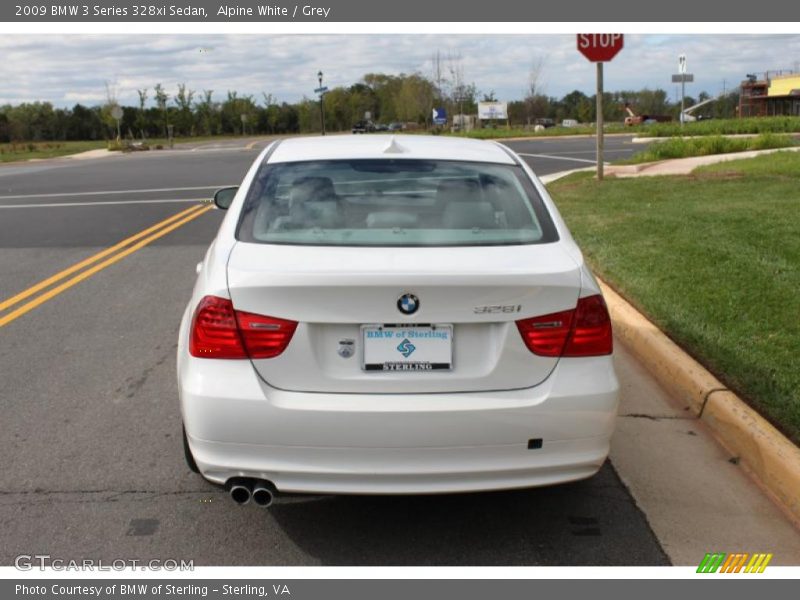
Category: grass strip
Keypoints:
(714, 260)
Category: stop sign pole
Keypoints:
(600, 135)
(600, 48)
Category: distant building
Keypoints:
(775, 95)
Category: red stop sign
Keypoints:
(600, 47)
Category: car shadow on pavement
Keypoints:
(592, 522)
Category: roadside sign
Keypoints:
(116, 114)
(321, 90)
(600, 47)
(439, 116)
(492, 110)
(683, 78)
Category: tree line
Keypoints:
(406, 98)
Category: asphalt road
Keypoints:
(562, 153)
(90, 427)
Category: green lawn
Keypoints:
(162, 141)
(17, 151)
(714, 260)
(26, 150)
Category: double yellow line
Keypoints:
(115, 253)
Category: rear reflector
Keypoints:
(582, 331)
(219, 331)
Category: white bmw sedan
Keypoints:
(393, 315)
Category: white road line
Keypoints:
(106, 203)
(219, 149)
(606, 150)
(551, 156)
(147, 191)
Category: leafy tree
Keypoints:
(141, 121)
(233, 109)
(206, 114)
(184, 119)
(161, 101)
(385, 89)
(5, 130)
(586, 110)
(415, 99)
(403, 97)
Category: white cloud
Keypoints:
(74, 68)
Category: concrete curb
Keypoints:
(91, 154)
(550, 178)
(769, 456)
(685, 166)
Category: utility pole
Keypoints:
(682, 77)
(463, 127)
(321, 102)
(682, 71)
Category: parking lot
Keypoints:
(91, 426)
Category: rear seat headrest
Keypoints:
(312, 189)
(459, 190)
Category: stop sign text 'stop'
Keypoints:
(600, 47)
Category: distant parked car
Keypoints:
(364, 127)
(545, 122)
(396, 127)
(569, 123)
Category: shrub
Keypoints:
(678, 147)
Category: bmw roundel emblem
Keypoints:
(408, 304)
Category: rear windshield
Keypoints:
(392, 202)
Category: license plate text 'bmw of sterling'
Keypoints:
(407, 347)
(393, 314)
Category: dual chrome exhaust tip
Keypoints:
(245, 489)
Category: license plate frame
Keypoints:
(431, 342)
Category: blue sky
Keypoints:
(65, 69)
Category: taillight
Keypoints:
(591, 332)
(214, 331)
(546, 335)
(219, 331)
(264, 337)
(583, 331)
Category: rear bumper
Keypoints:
(397, 443)
(401, 470)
